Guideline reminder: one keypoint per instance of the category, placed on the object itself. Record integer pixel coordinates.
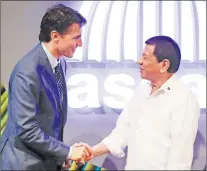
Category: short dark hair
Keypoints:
(59, 17)
(166, 48)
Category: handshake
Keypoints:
(81, 152)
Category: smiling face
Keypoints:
(149, 65)
(69, 41)
(66, 44)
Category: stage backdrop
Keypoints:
(103, 74)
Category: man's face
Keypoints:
(69, 41)
(149, 65)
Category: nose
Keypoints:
(79, 42)
(140, 61)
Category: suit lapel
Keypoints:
(47, 72)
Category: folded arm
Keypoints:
(117, 141)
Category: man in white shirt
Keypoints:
(160, 122)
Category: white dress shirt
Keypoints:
(52, 59)
(159, 129)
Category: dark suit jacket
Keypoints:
(34, 131)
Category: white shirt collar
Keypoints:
(168, 84)
(53, 61)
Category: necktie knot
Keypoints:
(57, 69)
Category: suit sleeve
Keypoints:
(24, 98)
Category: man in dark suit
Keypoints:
(37, 108)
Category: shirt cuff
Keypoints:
(70, 153)
(114, 148)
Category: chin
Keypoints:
(68, 56)
(142, 76)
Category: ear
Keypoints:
(165, 64)
(54, 36)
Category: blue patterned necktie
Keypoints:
(58, 77)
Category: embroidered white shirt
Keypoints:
(159, 129)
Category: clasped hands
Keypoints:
(81, 152)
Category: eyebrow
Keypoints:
(77, 36)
